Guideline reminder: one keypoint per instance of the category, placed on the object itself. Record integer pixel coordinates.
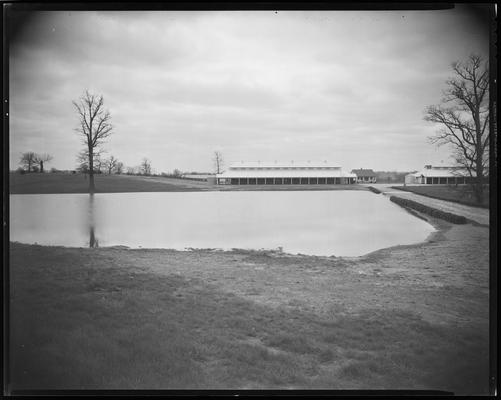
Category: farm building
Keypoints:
(439, 176)
(258, 173)
(364, 175)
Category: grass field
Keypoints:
(410, 317)
(79, 183)
(460, 194)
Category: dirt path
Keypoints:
(479, 215)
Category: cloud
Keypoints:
(345, 86)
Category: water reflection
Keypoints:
(93, 242)
(341, 223)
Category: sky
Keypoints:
(346, 87)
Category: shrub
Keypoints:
(374, 190)
(20, 171)
(455, 219)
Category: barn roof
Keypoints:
(363, 172)
(286, 173)
(292, 164)
(442, 172)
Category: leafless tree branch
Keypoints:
(464, 121)
(94, 127)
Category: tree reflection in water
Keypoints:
(93, 242)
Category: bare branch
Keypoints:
(94, 126)
(465, 121)
(218, 162)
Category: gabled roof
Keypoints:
(292, 164)
(286, 173)
(363, 172)
(442, 173)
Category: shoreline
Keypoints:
(440, 227)
(215, 188)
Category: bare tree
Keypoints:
(28, 160)
(95, 126)
(464, 115)
(145, 166)
(218, 162)
(119, 168)
(83, 161)
(111, 164)
(99, 163)
(43, 158)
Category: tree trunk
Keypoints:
(479, 189)
(92, 188)
(41, 166)
(92, 238)
(92, 235)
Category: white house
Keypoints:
(364, 175)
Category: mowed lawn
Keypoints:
(103, 319)
(79, 183)
(47, 183)
(460, 194)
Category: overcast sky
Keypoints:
(348, 87)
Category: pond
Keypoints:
(324, 223)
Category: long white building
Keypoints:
(260, 173)
(432, 175)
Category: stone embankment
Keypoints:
(472, 214)
(455, 219)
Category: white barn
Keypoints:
(258, 173)
(439, 176)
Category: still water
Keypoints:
(325, 223)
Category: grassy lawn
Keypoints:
(79, 183)
(161, 319)
(46, 183)
(460, 194)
